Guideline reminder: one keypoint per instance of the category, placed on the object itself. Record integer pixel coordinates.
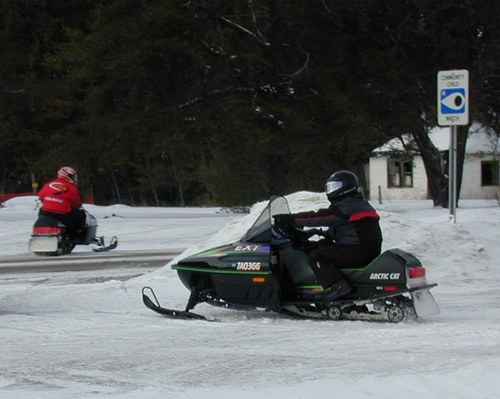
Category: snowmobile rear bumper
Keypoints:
(44, 244)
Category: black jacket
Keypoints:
(351, 221)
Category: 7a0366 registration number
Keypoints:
(251, 266)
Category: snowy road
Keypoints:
(86, 261)
(84, 268)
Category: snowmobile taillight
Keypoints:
(416, 272)
(259, 280)
(46, 231)
(390, 288)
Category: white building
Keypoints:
(395, 174)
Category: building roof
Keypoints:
(479, 141)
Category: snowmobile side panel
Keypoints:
(248, 290)
(388, 268)
(91, 228)
(44, 244)
(424, 303)
(237, 274)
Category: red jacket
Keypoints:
(60, 196)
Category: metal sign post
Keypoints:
(452, 173)
(453, 110)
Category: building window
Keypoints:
(489, 173)
(400, 172)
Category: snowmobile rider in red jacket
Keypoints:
(61, 199)
(354, 235)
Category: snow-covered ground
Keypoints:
(97, 340)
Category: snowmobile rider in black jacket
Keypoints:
(354, 237)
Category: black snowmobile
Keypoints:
(50, 237)
(268, 270)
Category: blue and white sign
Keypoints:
(453, 101)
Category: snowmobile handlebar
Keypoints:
(312, 232)
(286, 224)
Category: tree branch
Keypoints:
(244, 30)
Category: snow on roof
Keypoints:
(478, 141)
(482, 140)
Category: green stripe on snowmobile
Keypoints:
(311, 287)
(205, 270)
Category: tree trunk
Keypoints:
(436, 177)
(151, 183)
(115, 184)
(3, 181)
(131, 196)
(178, 180)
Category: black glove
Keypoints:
(284, 221)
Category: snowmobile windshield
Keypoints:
(260, 232)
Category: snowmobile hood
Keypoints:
(237, 257)
(232, 249)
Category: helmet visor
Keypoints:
(73, 177)
(332, 186)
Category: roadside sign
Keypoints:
(453, 97)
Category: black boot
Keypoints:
(337, 290)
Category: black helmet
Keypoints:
(340, 183)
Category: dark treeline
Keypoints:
(226, 102)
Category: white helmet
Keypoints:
(69, 174)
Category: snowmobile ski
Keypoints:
(104, 248)
(170, 313)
